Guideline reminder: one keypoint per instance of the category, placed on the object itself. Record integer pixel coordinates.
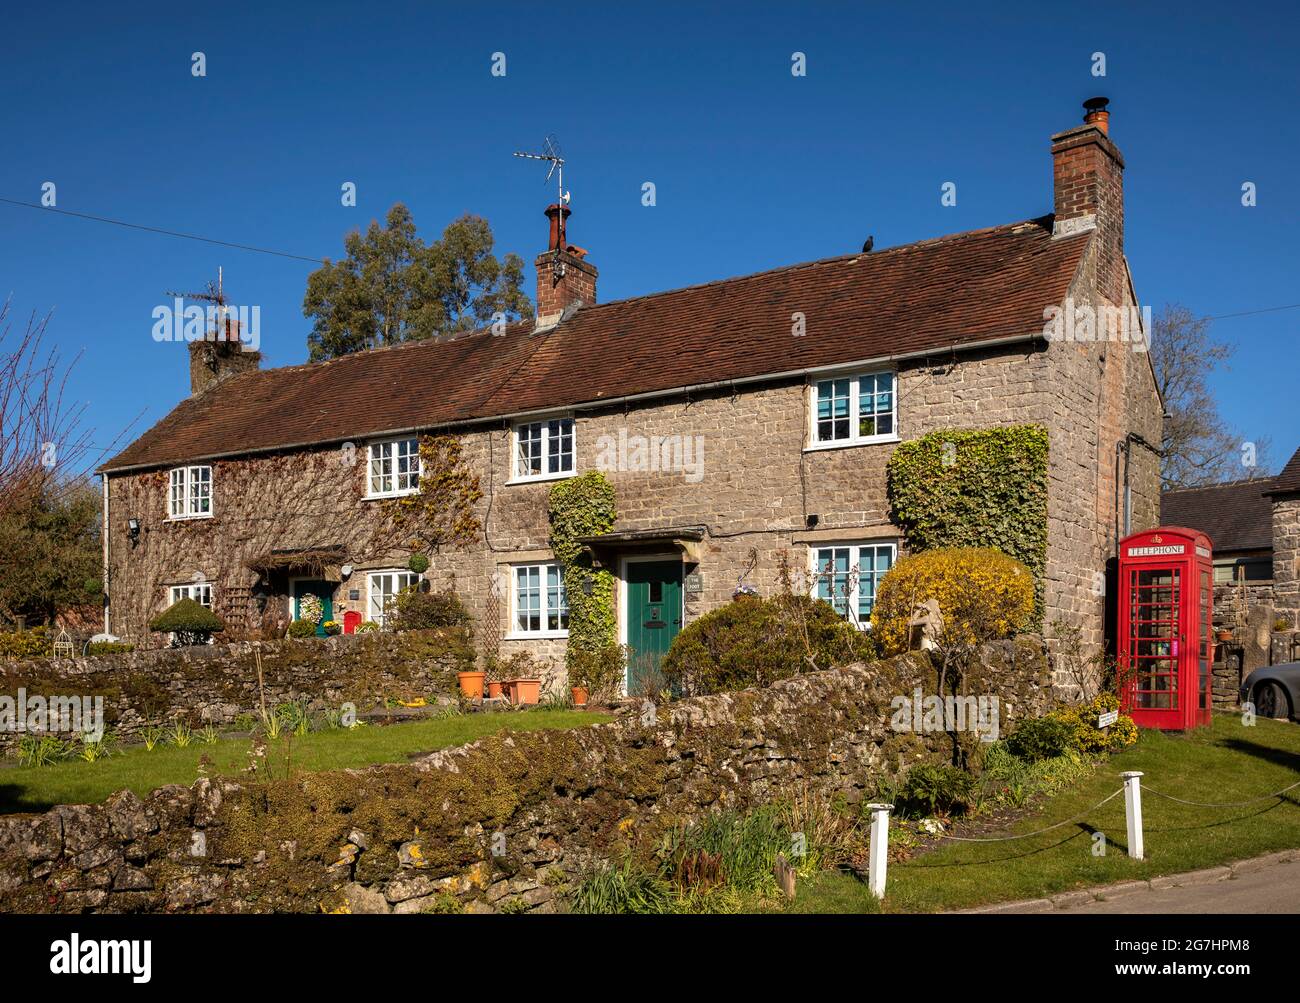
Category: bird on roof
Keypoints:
(870, 242)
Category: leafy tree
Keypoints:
(50, 550)
(1199, 446)
(393, 287)
(190, 621)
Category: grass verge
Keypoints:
(36, 788)
(1228, 762)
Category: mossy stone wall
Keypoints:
(505, 822)
(217, 683)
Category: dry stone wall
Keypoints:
(506, 822)
(215, 684)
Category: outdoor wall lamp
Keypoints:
(133, 530)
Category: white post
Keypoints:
(1133, 811)
(879, 851)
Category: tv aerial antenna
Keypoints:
(215, 294)
(552, 154)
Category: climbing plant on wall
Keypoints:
(975, 488)
(442, 513)
(584, 506)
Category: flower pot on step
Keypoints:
(471, 684)
(495, 689)
(525, 692)
(579, 696)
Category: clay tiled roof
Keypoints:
(1288, 480)
(973, 287)
(1234, 516)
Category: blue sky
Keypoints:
(754, 168)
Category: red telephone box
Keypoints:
(1166, 587)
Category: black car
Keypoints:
(1274, 690)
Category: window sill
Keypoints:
(188, 518)
(536, 478)
(392, 494)
(539, 635)
(875, 440)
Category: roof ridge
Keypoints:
(1242, 482)
(461, 336)
(873, 254)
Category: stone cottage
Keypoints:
(742, 422)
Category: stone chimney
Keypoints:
(1088, 186)
(564, 276)
(219, 357)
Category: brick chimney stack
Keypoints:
(1088, 184)
(564, 276)
(219, 356)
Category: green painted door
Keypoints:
(323, 591)
(654, 616)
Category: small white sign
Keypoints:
(1107, 719)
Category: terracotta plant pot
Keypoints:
(1224, 635)
(471, 684)
(525, 691)
(579, 696)
(495, 689)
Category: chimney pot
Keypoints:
(557, 214)
(564, 276)
(1095, 113)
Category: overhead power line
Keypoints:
(168, 233)
(317, 261)
(1248, 313)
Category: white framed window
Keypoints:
(847, 575)
(850, 410)
(189, 493)
(381, 588)
(543, 450)
(539, 605)
(200, 593)
(394, 468)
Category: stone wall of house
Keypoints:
(1102, 390)
(216, 684)
(505, 822)
(1286, 557)
(754, 488)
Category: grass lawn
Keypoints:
(1226, 763)
(30, 789)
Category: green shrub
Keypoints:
(109, 648)
(600, 671)
(418, 563)
(190, 622)
(302, 628)
(35, 643)
(40, 750)
(743, 845)
(626, 888)
(754, 642)
(1040, 738)
(418, 610)
(1086, 737)
(929, 789)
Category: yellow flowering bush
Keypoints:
(982, 594)
(1085, 736)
